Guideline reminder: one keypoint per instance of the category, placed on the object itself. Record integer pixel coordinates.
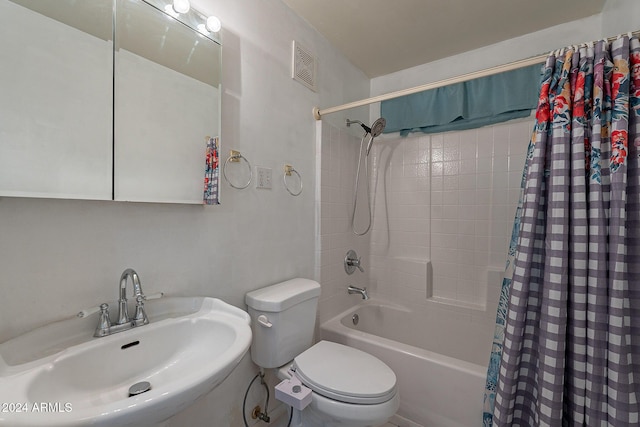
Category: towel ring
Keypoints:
(235, 157)
(288, 170)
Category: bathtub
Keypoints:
(441, 380)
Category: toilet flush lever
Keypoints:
(264, 321)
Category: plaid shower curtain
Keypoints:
(567, 348)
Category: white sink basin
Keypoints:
(52, 378)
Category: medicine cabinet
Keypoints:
(82, 117)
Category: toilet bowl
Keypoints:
(349, 388)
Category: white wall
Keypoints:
(59, 256)
(617, 17)
(620, 16)
(526, 46)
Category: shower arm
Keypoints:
(366, 128)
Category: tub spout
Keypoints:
(361, 291)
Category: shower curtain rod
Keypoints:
(318, 113)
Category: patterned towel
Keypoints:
(211, 173)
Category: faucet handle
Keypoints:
(140, 316)
(104, 323)
(351, 261)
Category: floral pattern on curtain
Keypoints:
(571, 348)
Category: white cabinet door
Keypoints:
(166, 104)
(56, 103)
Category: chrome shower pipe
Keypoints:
(366, 128)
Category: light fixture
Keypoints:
(181, 6)
(169, 11)
(213, 24)
(192, 17)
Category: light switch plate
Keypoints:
(264, 176)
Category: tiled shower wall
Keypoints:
(443, 213)
(444, 208)
(338, 149)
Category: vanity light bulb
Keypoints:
(213, 24)
(169, 10)
(181, 6)
(203, 29)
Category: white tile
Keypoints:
(500, 164)
(437, 168)
(423, 170)
(437, 141)
(484, 165)
(410, 170)
(468, 213)
(437, 182)
(450, 197)
(483, 180)
(466, 197)
(467, 182)
(468, 166)
(451, 182)
(451, 211)
(485, 142)
(500, 180)
(437, 154)
(450, 167)
(468, 149)
(451, 151)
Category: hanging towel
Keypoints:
(211, 173)
(467, 105)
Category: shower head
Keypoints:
(376, 129)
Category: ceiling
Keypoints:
(384, 36)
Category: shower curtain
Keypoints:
(567, 348)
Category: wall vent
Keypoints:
(304, 67)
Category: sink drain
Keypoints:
(139, 388)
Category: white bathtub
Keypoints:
(441, 381)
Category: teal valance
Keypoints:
(467, 105)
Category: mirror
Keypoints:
(55, 108)
(85, 119)
(167, 79)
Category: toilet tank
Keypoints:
(283, 318)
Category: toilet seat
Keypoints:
(345, 374)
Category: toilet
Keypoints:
(349, 388)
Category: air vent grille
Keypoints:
(304, 67)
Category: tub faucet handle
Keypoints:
(351, 262)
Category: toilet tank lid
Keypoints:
(281, 296)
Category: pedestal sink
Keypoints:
(60, 375)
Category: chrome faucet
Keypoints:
(361, 291)
(124, 322)
(123, 315)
